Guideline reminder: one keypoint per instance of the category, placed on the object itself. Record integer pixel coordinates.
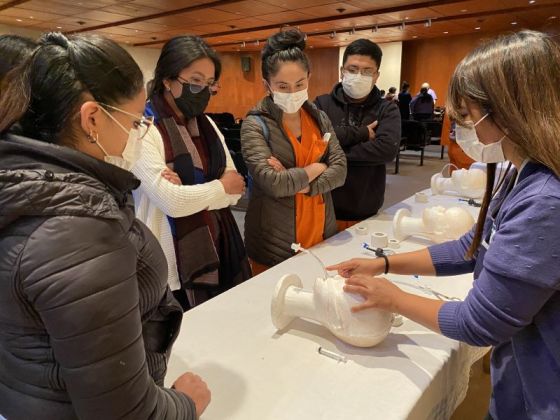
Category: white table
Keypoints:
(256, 373)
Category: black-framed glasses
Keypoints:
(356, 70)
(197, 84)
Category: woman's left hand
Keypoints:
(378, 292)
(171, 176)
(276, 164)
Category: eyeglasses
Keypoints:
(364, 72)
(197, 84)
(141, 124)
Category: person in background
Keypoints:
(382, 93)
(87, 318)
(514, 304)
(369, 131)
(203, 246)
(13, 50)
(404, 101)
(392, 95)
(422, 106)
(293, 157)
(431, 92)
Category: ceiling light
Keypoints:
(332, 35)
(243, 44)
(552, 17)
(446, 32)
(19, 20)
(257, 42)
(464, 10)
(532, 1)
(477, 28)
(406, 18)
(415, 36)
(428, 23)
(30, 17)
(59, 27)
(514, 23)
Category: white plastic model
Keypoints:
(470, 183)
(437, 224)
(329, 305)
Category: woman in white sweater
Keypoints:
(188, 177)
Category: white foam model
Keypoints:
(437, 224)
(470, 183)
(329, 305)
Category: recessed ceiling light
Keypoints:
(446, 32)
(514, 23)
(59, 27)
(477, 28)
(415, 36)
(464, 10)
(30, 17)
(532, 1)
(19, 20)
(406, 18)
(552, 17)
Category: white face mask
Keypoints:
(357, 86)
(290, 102)
(467, 139)
(132, 149)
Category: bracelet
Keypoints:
(386, 263)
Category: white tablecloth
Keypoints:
(255, 373)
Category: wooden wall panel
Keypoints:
(240, 91)
(434, 60)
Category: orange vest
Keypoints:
(310, 211)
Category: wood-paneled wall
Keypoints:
(434, 60)
(240, 91)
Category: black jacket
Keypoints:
(362, 194)
(86, 317)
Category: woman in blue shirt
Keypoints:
(514, 250)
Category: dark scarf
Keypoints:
(211, 256)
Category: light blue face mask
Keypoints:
(467, 139)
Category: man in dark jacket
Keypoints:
(368, 129)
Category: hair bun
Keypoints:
(285, 40)
(54, 38)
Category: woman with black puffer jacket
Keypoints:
(86, 318)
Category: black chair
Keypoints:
(434, 132)
(414, 137)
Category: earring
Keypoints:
(93, 137)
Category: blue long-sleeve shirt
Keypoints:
(514, 304)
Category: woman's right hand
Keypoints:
(233, 182)
(368, 266)
(192, 385)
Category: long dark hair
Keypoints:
(47, 91)
(178, 53)
(425, 96)
(13, 50)
(283, 46)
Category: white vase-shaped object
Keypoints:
(437, 224)
(469, 183)
(329, 305)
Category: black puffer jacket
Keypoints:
(86, 318)
(362, 194)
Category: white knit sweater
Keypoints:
(157, 198)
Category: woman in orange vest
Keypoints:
(293, 158)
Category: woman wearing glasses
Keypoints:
(293, 156)
(187, 207)
(87, 320)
